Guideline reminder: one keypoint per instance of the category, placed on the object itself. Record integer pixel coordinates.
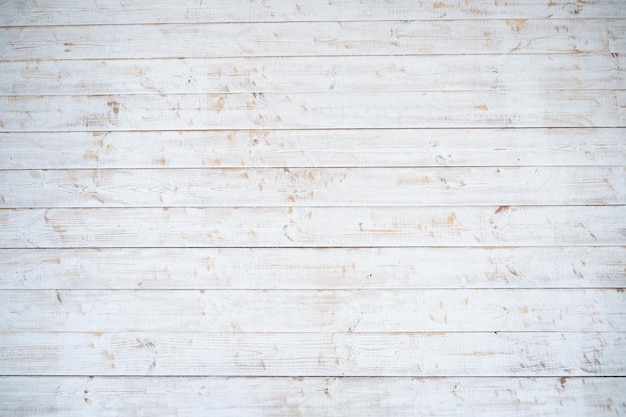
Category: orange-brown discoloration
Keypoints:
(219, 104)
(159, 161)
(516, 24)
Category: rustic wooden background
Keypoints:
(282, 208)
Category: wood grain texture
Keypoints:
(313, 74)
(617, 37)
(295, 268)
(313, 187)
(262, 207)
(430, 37)
(50, 12)
(621, 99)
(311, 111)
(315, 311)
(332, 396)
(314, 227)
(314, 148)
(314, 354)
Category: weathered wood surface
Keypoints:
(313, 74)
(232, 208)
(332, 396)
(314, 227)
(314, 148)
(50, 12)
(400, 37)
(317, 311)
(298, 268)
(313, 187)
(563, 108)
(314, 354)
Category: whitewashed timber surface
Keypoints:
(312, 208)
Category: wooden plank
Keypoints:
(50, 12)
(314, 227)
(314, 311)
(343, 396)
(335, 268)
(312, 74)
(566, 108)
(313, 187)
(404, 37)
(314, 148)
(314, 354)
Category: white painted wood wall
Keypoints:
(277, 208)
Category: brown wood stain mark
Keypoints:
(439, 5)
(91, 155)
(219, 105)
(523, 309)
(516, 24)
(502, 209)
(52, 261)
(481, 107)
(408, 181)
(115, 106)
(159, 161)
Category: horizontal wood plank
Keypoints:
(314, 227)
(336, 268)
(314, 148)
(315, 311)
(314, 354)
(312, 74)
(333, 396)
(313, 187)
(50, 12)
(404, 37)
(563, 108)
